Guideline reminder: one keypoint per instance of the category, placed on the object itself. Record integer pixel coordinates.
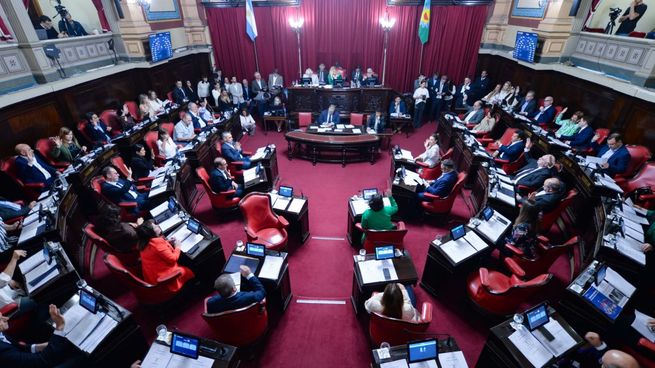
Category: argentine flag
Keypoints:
(251, 26)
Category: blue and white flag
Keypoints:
(251, 26)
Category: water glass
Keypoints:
(362, 254)
(162, 332)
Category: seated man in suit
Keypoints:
(614, 153)
(444, 184)
(122, 190)
(534, 177)
(475, 114)
(356, 77)
(220, 179)
(56, 351)
(31, 169)
(548, 198)
(329, 117)
(198, 121)
(96, 129)
(376, 122)
(398, 107)
(581, 140)
(596, 353)
(9, 209)
(232, 150)
(546, 113)
(179, 95)
(527, 105)
(229, 298)
(511, 152)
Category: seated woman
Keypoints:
(225, 102)
(394, 302)
(120, 235)
(141, 165)
(159, 257)
(524, 232)
(309, 73)
(125, 118)
(486, 125)
(378, 216)
(66, 147)
(335, 77)
(97, 130)
(492, 95)
(431, 156)
(155, 105)
(144, 107)
(276, 108)
(247, 122)
(165, 144)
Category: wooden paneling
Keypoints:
(630, 116)
(43, 116)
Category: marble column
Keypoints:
(193, 26)
(494, 31)
(555, 29)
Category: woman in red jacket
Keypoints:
(159, 257)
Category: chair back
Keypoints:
(506, 138)
(638, 157)
(239, 327)
(133, 109)
(549, 218)
(258, 212)
(44, 147)
(637, 34)
(169, 127)
(514, 166)
(169, 95)
(304, 119)
(218, 200)
(119, 164)
(110, 117)
(444, 205)
(547, 254)
(130, 259)
(397, 331)
(81, 128)
(376, 238)
(644, 178)
(31, 191)
(356, 118)
(603, 133)
(9, 167)
(448, 154)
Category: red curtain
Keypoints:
(349, 32)
(104, 23)
(5, 31)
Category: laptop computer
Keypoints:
(255, 250)
(457, 232)
(369, 193)
(420, 351)
(185, 345)
(384, 252)
(285, 191)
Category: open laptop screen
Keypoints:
(185, 345)
(422, 350)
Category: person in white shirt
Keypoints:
(156, 106)
(183, 131)
(247, 122)
(236, 90)
(394, 302)
(420, 97)
(203, 88)
(165, 144)
(10, 291)
(206, 111)
(431, 156)
(216, 94)
(309, 73)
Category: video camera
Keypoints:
(61, 10)
(614, 13)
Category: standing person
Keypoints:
(443, 93)
(631, 16)
(203, 88)
(420, 96)
(461, 96)
(236, 90)
(190, 91)
(275, 82)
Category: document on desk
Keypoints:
(400, 363)
(619, 282)
(170, 223)
(637, 235)
(359, 206)
(629, 248)
(236, 279)
(475, 241)
(341, 126)
(271, 267)
(454, 359)
(373, 271)
(424, 364)
(406, 155)
(595, 160)
(104, 328)
(259, 154)
(179, 361)
(31, 262)
(191, 241)
(40, 275)
(158, 190)
(357, 131)
(32, 217)
(633, 217)
(158, 181)
(160, 171)
(31, 230)
(349, 126)
(494, 228)
(507, 180)
(83, 329)
(458, 250)
(73, 316)
(281, 203)
(250, 174)
(187, 147)
(633, 225)
(159, 209)
(530, 347)
(412, 178)
(641, 325)
(505, 198)
(296, 205)
(607, 182)
(506, 186)
(562, 341)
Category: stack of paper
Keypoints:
(530, 347)
(458, 250)
(373, 271)
(85, 329)
(641, 325)
(170, 223)
(250, 174)
(494, 229)
(359, 206)
(296, 205)
(281, 203)
(37, 271)
(261, 153)
(453, 359)
(271, 267)
(562, 341)
(163, 207)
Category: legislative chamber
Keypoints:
(327, 183)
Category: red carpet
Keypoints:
(318, 335)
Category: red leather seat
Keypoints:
(119, 164)
(44, 147)
(356, 118)
(134, 110)
(546, 255)
(444, 205)
(81, 128)
(639, 155)
(262, 224)
(151, 141)
(376, 238)
(645, 178)
(31, 191)
(169, 95)
(219, 201)
(505, 140)
(513, 166)
(127, 208)
(549, 218)
(239, 327)
(129, 259)
(111, 118)
(169, 127)
(431, 173)
(637, 34)
(145, 293)
(603, 133)
(497, 293)
(18, 326)
(397, 331)
(304, 119)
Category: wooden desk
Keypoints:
(400, 351)
(405, 270)
(274, 119)
(58, 289)
(398, 125)
(346, 148)
(500, 352)
(347, 100)
(298, 229)
(224, 356)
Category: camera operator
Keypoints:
(631, 17)
(71, 27)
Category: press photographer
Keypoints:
(631, 17)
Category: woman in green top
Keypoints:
(334, 77)
(570, 126)
(378, 216)
(66, 147)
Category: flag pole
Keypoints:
(254, 45)
(420, 61)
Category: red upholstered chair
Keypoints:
(220, 201)
(549, 218)
(18, 326)
(497, 293)
(546, 255)
(169, 127)
(486, 137)
(304, 119)
(44, 147)
(262, 224)
(235, 167)
(148, 294)
(119, 164)
(10, 221)
(594, 30)
(505, 139)
(127, 208)
(645, 178)
(441, 205)
(129, 259)
(111, 118)
(397, 331)
(239, 327)
(431, 173)
(169, 96)
(603, 133)
(639, 155)
(513, 166)
(31, 191)
(376, 238)
(356, 119)
(151, 141)
(133, 108)
(637, 34)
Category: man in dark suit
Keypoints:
(229, 298)
(121, 190)
(475, 114)
(527, 105)
(179, 95)
(376, 122)
(512, 151)
(232, 151)
(220, 179)
(548, 198)
(546, 113)
(329, 116)
(444, 184)
(96, 129)
(356, 77)
(481, 86)
(322, 74)
(581, 140)
(56, 351)
(534, 177)
(198, 121)
(464, 95)
(258, 84)
(247, 92)
(31, 169)
(616, 155)
(398, 107)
